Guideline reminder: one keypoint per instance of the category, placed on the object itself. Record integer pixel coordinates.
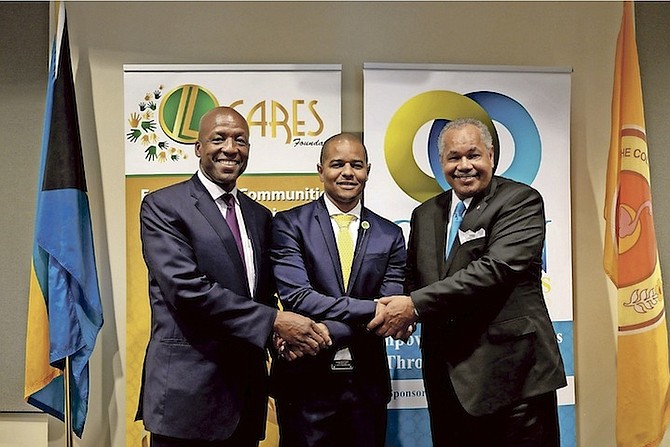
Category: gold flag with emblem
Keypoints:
(631, 259)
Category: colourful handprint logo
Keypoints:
(143, 131)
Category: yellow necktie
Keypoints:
(345, 244)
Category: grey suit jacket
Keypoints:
(483, 310)
(208, 334)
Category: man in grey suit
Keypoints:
(491, 360)
(211, 291)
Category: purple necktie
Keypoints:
(231, 219)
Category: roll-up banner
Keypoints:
(291, 110)
(406, 104)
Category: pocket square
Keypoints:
(469, 235)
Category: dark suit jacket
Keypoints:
(483, 310)
(309, 280)
(208, 336)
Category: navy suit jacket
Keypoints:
(208, 334)
(483, 310)
(309, 281)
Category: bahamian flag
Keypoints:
(64, 310)
(631, 259)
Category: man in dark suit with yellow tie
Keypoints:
(206, 246)
(491, 360)
(332, 258)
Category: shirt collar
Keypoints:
(334, 210)
(215, 190)
(455, 200)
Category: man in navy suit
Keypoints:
(491, 360)
(211, 289)
(333, 275)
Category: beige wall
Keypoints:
(581, 35)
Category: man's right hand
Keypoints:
(394, 317)
(302, 334)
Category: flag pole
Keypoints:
(63, 276)
(68, 405)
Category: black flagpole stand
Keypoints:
(68, 404)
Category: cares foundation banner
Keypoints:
(406, 107)
(291, 110)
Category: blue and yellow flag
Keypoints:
(631, 259)
(64, 310)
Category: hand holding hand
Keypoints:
(300, 335)
(395, 319)
(288, 351)
(285, 351)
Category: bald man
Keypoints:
(211, 291)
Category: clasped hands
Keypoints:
(394, 317)
(296, 335)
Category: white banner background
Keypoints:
(544, 93)
(291, 110)
(296, 108)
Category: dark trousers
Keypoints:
(531, 422)
(347, 422)
(235, 440)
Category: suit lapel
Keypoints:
(440, 221)
(477, 206)
(208, 208)
(361, 247)
(472, 214)
(471, 217)
(323, 220)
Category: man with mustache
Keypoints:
(474, 267)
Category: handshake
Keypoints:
(395, 317)
(296, 335)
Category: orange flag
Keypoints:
(631, 259)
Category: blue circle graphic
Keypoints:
(527, 144)
(433, 152)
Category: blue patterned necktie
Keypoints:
(456, 220)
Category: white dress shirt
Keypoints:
(333, 210)
(217, 192)
(454, 202)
